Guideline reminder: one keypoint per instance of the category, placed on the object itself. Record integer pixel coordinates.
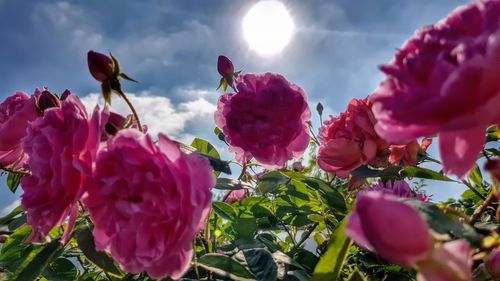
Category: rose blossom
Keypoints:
(451, 261)
(444, 81)
(266, 119)
(235, 196)
(405, 242)
(60, 146)
(147, 202)
(399, 188)
(349, 141)
(16, 112)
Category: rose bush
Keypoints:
(103, 200)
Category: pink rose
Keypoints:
(60, 146)
(147, 202)
(444, 81)
(100, 66)
(349, 141)
(16, 112)
(235, 196)
(399, 188)
(266, 119)
(492, 262)
(384, 224)
(451, 261)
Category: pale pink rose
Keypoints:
(147, 202)
(451, 261)
(266, 119)
(492, 263)
(384, 224)
(60, 146)
(16, 112)
(235, 196)
(350, 141)
(444, 81)
(399, 188)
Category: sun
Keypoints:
(268, 27)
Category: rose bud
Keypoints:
(100, 66)
(225, 67)
(47, 100)
(405, 242)
(451, 261)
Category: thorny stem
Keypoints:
(477, 214)
(136, 116)
(453, 211)
(305, 236)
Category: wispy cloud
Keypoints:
(160, 114)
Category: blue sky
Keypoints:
(171, 47)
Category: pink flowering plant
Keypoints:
(104, 199)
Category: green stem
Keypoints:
(136, 116)
(477, 214)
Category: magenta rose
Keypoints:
(349, 141)
(60, 146)
(235, 196)
(266, 119)
(384, 224)
(16, 112)
(147, 202)
(399, 188)
(444, 81)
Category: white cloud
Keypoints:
(7, 209)
(159, 113)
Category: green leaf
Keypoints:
(17, 222)
(333, 198)
(37, 264)
(475, 176)
(204, 147)
(60, 270)
(444, 224)
(13, 250)
(331, 263)
(493, 134)
(106, 91)
(225, 266)
(231, 184)
(261, 264)
(270, 182)
(7, 218)
(245, 227)
(424, 173)
(126, 77)
(224, 210)
(13, 181)
(220, 135)
(86, 243)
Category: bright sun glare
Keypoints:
(268, 27)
